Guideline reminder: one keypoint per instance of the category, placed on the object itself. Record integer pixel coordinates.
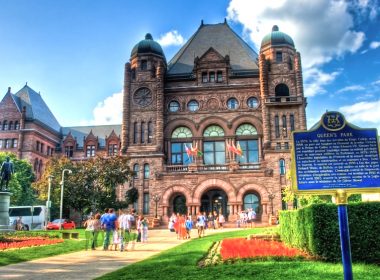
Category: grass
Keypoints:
(31, 253)
(181, 263)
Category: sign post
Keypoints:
(340, 159)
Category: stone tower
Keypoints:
(281, 89)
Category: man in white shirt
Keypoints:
(125, 225)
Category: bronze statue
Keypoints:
(6, 173)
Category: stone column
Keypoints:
(125, 127)
(299, 88)
(159, 133)
(264, 94)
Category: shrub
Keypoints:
(316, 230)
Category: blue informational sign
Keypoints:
(336, 155)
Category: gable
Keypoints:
(9, 108)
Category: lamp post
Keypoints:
(62, 186)
(156, 198)
(48, 202)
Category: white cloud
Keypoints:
(322, 30)
(374, 45)
(315, 79)
(351, 88)
(364, 114)
(376, 82)
(108, 111)
(171, 38)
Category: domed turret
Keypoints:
(276, 38)
(147, 46)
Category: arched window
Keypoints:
(213, 131)
(135, 133)
(214, 151)
(146, 171)
(40, 166)
(150, 132)
(136, 170)
(277, 126)
(284, 127)
(5, 125)
(248, 146)
(291, 122)
(251, 201)
(246, 129)
(10, 125)
(142, 132)
(179, 149)
(35, 165)
(282, 167)
(182, 132)
(17, 125)
(281, 90)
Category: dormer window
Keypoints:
(219, 76)
(212, 77)
(144, 65)
(278, 56)
(90, 150)
(204, 77)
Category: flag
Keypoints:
(239, 150)
(236, 150)
(188, 151)
(195, 151)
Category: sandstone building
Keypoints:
(184, 122)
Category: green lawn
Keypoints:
(26, 254)
(181, 263)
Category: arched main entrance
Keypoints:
(215, 200)
(179, 204)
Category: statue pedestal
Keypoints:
(5, 198)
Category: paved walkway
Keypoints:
(91, 264)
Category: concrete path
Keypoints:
(91, 264)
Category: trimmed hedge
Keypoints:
(315, 229)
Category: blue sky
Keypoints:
(74, 51)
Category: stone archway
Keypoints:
(169, 197)
(262, 194)
(211, 184)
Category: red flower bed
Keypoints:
(241, 248)
(29, 241)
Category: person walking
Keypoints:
(109, 226)
(125, 224)
(201, 223)
(189, 226)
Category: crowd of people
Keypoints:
(118, 231)
(182, 225)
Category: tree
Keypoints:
(92, 184)
(21, 183)
(131, 196)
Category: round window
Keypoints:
(232, 103)
(252, 102)
(193, 106)
(173, 106)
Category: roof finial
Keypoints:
(26, 83)
(225, 20)
(9, 89)
(275, 28)
(202, 22)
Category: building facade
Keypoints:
(210, 130)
